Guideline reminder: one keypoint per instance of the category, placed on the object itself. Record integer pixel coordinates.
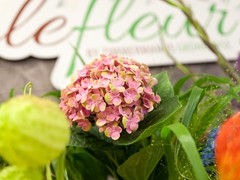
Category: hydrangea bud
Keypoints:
(18, 173)
(33, 131)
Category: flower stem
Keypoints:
(28, 89)
(221, 60)
(48, 173)
(60, 167)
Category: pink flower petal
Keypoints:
(115, 135)
(110, 117)
(100, 122)
(128, 100)
(117, 101)
(102, 106)
(133, 126)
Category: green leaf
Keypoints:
(11, 93)
(60, 167)
(88, 140)
(160, 171)
(111, 158)
(192, 104)
(164, 87)
(154, 121)
(48, 173)
(208, 115)
(179, 84)
(206, 82)
(140, 165)
(82, 165)
(202, 80)
(234, 91)
(213, 79)
(186, 141)
(55, 94)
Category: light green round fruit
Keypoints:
(33, 131)
(17, 173)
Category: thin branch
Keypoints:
(221, 60)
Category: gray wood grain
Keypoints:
(17, 74)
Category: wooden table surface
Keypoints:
(16, 74)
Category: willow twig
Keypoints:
(221, 60)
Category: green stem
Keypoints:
(221, 60)
(114, 163)
(113, 173)
(60, 167)
(28, 89)
(48, 172)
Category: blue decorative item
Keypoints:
(208, 154)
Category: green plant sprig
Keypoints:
(221, 60)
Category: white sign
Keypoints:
(47, 29)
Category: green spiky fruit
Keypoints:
(33, 131)
(17, 173)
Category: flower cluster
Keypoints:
(112, 92)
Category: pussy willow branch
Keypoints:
(221, 60)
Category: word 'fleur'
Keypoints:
(112, 93)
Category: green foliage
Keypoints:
(180, 122)
(82, 165)
(188, 144)
(206, 104)
(154, 121)
(55, 94)
(164, 87)
(140, 165)
(134, 164)
(11, 93)
(166, 144)
(60, 166)
(191, 106)
(91, 140)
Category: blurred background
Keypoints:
(16, 74)
(32, 35)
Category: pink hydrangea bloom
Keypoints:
(113, 93)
